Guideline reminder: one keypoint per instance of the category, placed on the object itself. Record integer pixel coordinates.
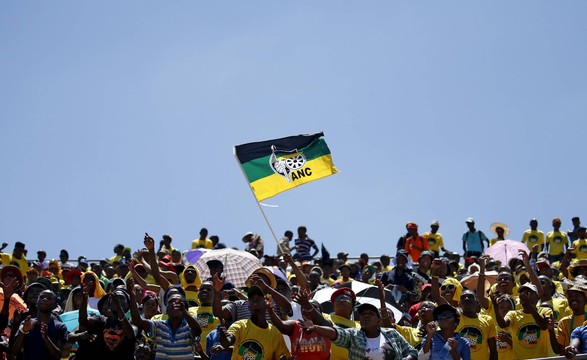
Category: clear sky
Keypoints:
(118, 118)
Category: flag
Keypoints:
(275, 166)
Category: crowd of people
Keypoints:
(424, 302)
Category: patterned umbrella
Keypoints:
(505, 250)
(238, 265)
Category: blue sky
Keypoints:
(120, 117)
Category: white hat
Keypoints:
(506, 229)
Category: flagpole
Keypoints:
(253, 193)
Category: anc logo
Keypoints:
(431, 241)
(532, 238)
(250, 350)
(289, 164)
(557, 239)
(503, 345)
(474, 335)
(206, 320)
(583, 248)
(528, 336)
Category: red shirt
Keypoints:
(309, 346)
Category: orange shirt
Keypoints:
(411, 244)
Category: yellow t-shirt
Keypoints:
(435, 241)
(533, 237)
(115, 258)
(207, 321)
(253, 342)
(580, 249)
(337, 352)
(478, 331)
(556, 242)
(8, 259)
(206, 243)
(563, 332)
(561, 308)
(504, 350)
(410, 334)
(529, 340)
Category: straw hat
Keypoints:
(506, 229)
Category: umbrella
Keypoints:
(238, 265)
(470, 282)
(505, 250)
(192, 256)
(71, 318)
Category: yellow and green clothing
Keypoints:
(435, 241)
(494, 240)
(566, 325)
(202, 243)
(529, 340)
(410, 334)
(504, 349)
(478, 331)
(8, 259)
(253, 342)
(580, 249)
(533, 237)
(556, 241)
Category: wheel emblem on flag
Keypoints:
(286, 163)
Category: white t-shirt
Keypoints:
(374, 350)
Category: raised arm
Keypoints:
(217, 309)
(161, 280)
(532, 273)
(139, 280)
(280, 300)
(137, 320)
(302, 280)
(192, 322)
(503, 323)
(127, 328)
(483, 300)
(284, 327)
(385, 318)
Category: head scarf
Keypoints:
(458, 288)
(98, 291)
(197, 282)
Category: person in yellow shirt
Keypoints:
(435, 240)
(203, 241)
(118, 250)
(580, 245)
(501, 230)
(254, 338)
(556, 241)
(527, 325)
(577, 296)
(17, 257)
(533, 236)
(479, 329)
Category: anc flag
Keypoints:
(275, 166)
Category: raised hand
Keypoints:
(218, 283)
(431, 328)
(452, 342)
(436, 267)
(149, 242)
(29, 323)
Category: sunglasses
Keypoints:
(446, 315)
(448, 287)
(343, 296)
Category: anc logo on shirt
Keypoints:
(528, 336)
(557, 239)
(532, 238)
(583, 248)
(503, 345)
(205, 320)
(474, 335)
(251, 350)
(431, 241)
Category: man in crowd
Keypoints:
(473, 240)
(303, 244)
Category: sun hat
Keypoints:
(262, 271)
(495, 225)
